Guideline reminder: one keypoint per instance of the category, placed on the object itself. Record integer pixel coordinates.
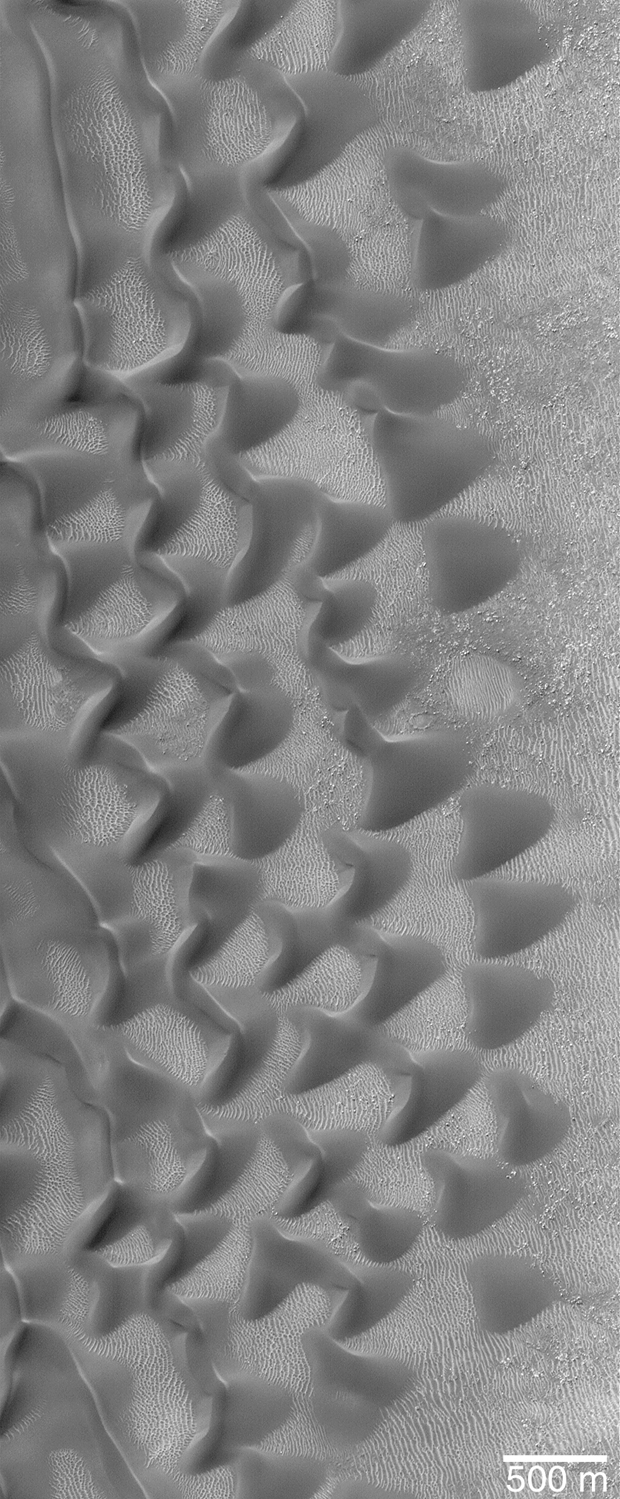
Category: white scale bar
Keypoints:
(553, 1457)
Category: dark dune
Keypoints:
(17, 1083)
(133, 1089)
(242, 1409)
(467, 561)
(451, 187)
(217, 319)
(317, 1158)
(211, 197)
(178, 791)
(103, 247)
(301, 241)
(346, 1418)
(512, 914)
(368, 314)
(383, 1233)
(371, 870)
(360, 1296)
(350, 1390)
(408, 774)
(265, 1475)
(502, 40)
(167, 413)
(262, 812)
(32, 775)
(20, 1174)
(324, 303)
(213, 1167)
(158, 23)
(203, 585)
(297, 935)
(394, 969)
(371, 1296)
(363, 36)
(335, 111)
(508, 1291)
(503, 1002)
(435, 1081)
(332, 1044)
(239, 27)
(447, 248)
(184, 93)
(246, 1026)
(90, 568)
(471, 1194)
(344, 608)
(142, 987)
(111, 1215)
(532, 1123)
(94, 1395)
(345, 531)
(66, 478)
(255, 409)
(256, 714)
(403, 379)
(125, 675)
(178, 487)
(15, 629)
(373, 683)
(118, 1291)
(107, 130)
(216, 894)
(426, 462)
(322, 308)
(498, 824)
(43, 1289)
(279, 1262)
(377, 1379)
(270, 518)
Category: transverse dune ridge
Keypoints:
(308, 482)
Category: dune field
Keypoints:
(308, 748)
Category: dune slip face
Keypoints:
(307, 819)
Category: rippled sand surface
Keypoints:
(482, 642)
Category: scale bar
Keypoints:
(554, 1457)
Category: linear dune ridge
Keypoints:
(304, 1091)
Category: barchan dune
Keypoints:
(307, 503)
